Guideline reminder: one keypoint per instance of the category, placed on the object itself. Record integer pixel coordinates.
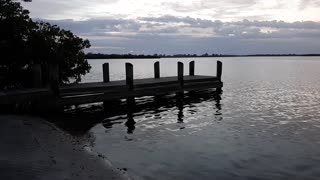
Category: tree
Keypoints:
(52, 45)
(24, 42)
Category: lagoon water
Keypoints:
(265, 124)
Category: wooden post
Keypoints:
(191, 68)
(54, 78)
(36, 76)
(219, 70)
(180, 73)
(105, 68)
(106, 78)
(219, 74)
(156, 70)
(129, 75)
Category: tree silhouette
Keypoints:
(24, 42)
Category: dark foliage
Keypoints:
(24, 43)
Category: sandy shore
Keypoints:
(32, 148)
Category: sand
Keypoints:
(32, 148)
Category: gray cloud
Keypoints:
(309, 3)
(170, 34)
(226, 10)
(207, 4)
(280, 24)
(196, 22)
(97, 25)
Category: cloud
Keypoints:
(184, 6)
(224, 10)
(171, 34)
(57, 9)
(195, 22)
(308, 3)
(97, 26)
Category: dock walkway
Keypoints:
(57, 96)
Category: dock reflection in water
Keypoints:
(157, 105)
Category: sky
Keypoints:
(188, 26)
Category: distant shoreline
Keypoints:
(156, 56)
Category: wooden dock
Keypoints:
(83, 93)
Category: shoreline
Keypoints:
(33, 148)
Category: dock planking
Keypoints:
(84, 93)
(137, 83)
(94, 92)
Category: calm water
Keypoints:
(266, 125)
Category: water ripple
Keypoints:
(265, 125)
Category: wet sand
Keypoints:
(32, 148)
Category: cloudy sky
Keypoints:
(188, 26)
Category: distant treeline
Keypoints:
(141, 56)
(136, 56)
(282, 55)
(118, 56)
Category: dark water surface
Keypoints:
(266, 125)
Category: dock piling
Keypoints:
(191, 68)
(219, 74)
(129, 75)
(180, 73)
(106, 78)
(219, 70)
(157, 70)
(105, 68)
(37, 76)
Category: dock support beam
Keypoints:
(129, 82)
(54, 78)
(219, 74)
(191, 68)
(129, 75)
(105, 68)
(180, 73)
(180, 94)
(106, 78)
(157, 70)
(219, 70)
(37, 76)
